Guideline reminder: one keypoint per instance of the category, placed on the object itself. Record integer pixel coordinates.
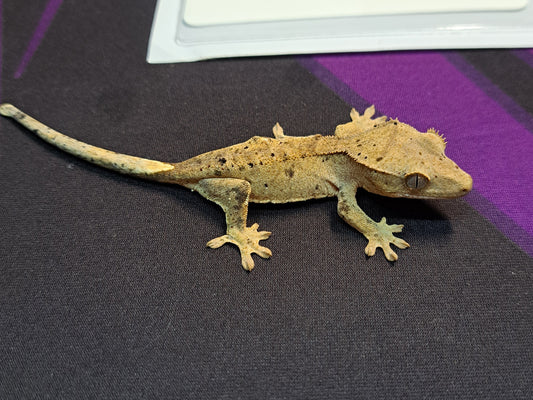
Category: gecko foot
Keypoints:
(247, 240)
(383, 237)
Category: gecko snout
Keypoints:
(467, 184)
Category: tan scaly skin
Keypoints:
(382, 156)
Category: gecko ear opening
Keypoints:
(416, 180)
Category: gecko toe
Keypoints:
(390, 255)
(247, 261)
(370, 249)
(263, 252)
(400, 243)
(218, 242)
(264, 235)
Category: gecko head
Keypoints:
(403, 162)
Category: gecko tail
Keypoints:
(122, 163)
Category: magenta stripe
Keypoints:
(425, 90)
(44, 23)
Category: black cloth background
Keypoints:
(107, 289)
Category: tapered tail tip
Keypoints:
(7, 110)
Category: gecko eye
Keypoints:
(416, 180)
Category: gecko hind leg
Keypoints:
(233, 196)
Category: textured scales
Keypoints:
(382, 156)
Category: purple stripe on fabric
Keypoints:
(44, 23)
(335, 84)
(504, 224)
(425, 90)
(493, 91)
(525, 55)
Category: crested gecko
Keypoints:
(383, 156)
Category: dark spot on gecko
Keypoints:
(250, 165)
(218, 172)
(245, 147)
(316, 187)
(289, 172)
(272, 154)
(266, 184)
(222, 160)
(240, 194)
(379, 159)
(395, 123)
(343, 208)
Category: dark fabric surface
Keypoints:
(107, 289)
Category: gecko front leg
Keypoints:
(379, 234)
(233, 195)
